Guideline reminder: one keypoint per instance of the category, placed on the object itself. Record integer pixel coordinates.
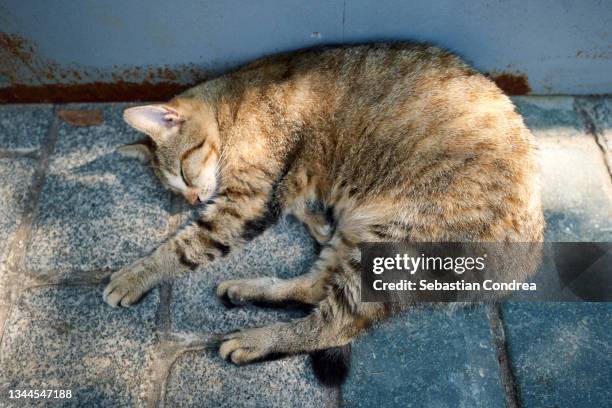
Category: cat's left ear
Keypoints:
(157, 121)
(141, 150)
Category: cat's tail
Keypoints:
(331, 366)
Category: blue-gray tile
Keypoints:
(97, 209)
(67, 338)
(426, 358)
(561, 353)
(576, 185)
(24, 127)
(284, 250)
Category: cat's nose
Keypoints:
(192, 198)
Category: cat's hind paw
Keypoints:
(247, 346)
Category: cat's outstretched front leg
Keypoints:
(129, 283)
(224, 225)
(191, 247)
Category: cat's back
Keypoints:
(403, 88)
(412, 123)
(415, 123)
(354, 69)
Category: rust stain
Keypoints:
(512, 84)
(34, 79)
(16, 46)
(119, 91)
(81, 117)
(19, 61)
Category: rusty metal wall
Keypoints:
(135, 49)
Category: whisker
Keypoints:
(221, 162)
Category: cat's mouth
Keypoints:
(196, 198)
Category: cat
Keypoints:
(362, 143)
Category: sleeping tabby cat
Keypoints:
(387, 142)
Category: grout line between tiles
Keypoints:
(507, 378)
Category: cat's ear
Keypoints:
(157, 121)
(141, 150)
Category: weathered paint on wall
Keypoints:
(136, 49)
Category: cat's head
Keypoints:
(182, 146)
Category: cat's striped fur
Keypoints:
(386, 142)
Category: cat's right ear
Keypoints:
(157, 121)
(141, 150)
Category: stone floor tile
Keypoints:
(561, 353)
(68, 338)
(23, 127)
(576, 185)
(97, 209)
(426, 358)
(203, 380)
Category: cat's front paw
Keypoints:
(126, 286)
(247, 346)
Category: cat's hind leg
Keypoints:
(308, 289)
(330, 325)
(336, 320)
